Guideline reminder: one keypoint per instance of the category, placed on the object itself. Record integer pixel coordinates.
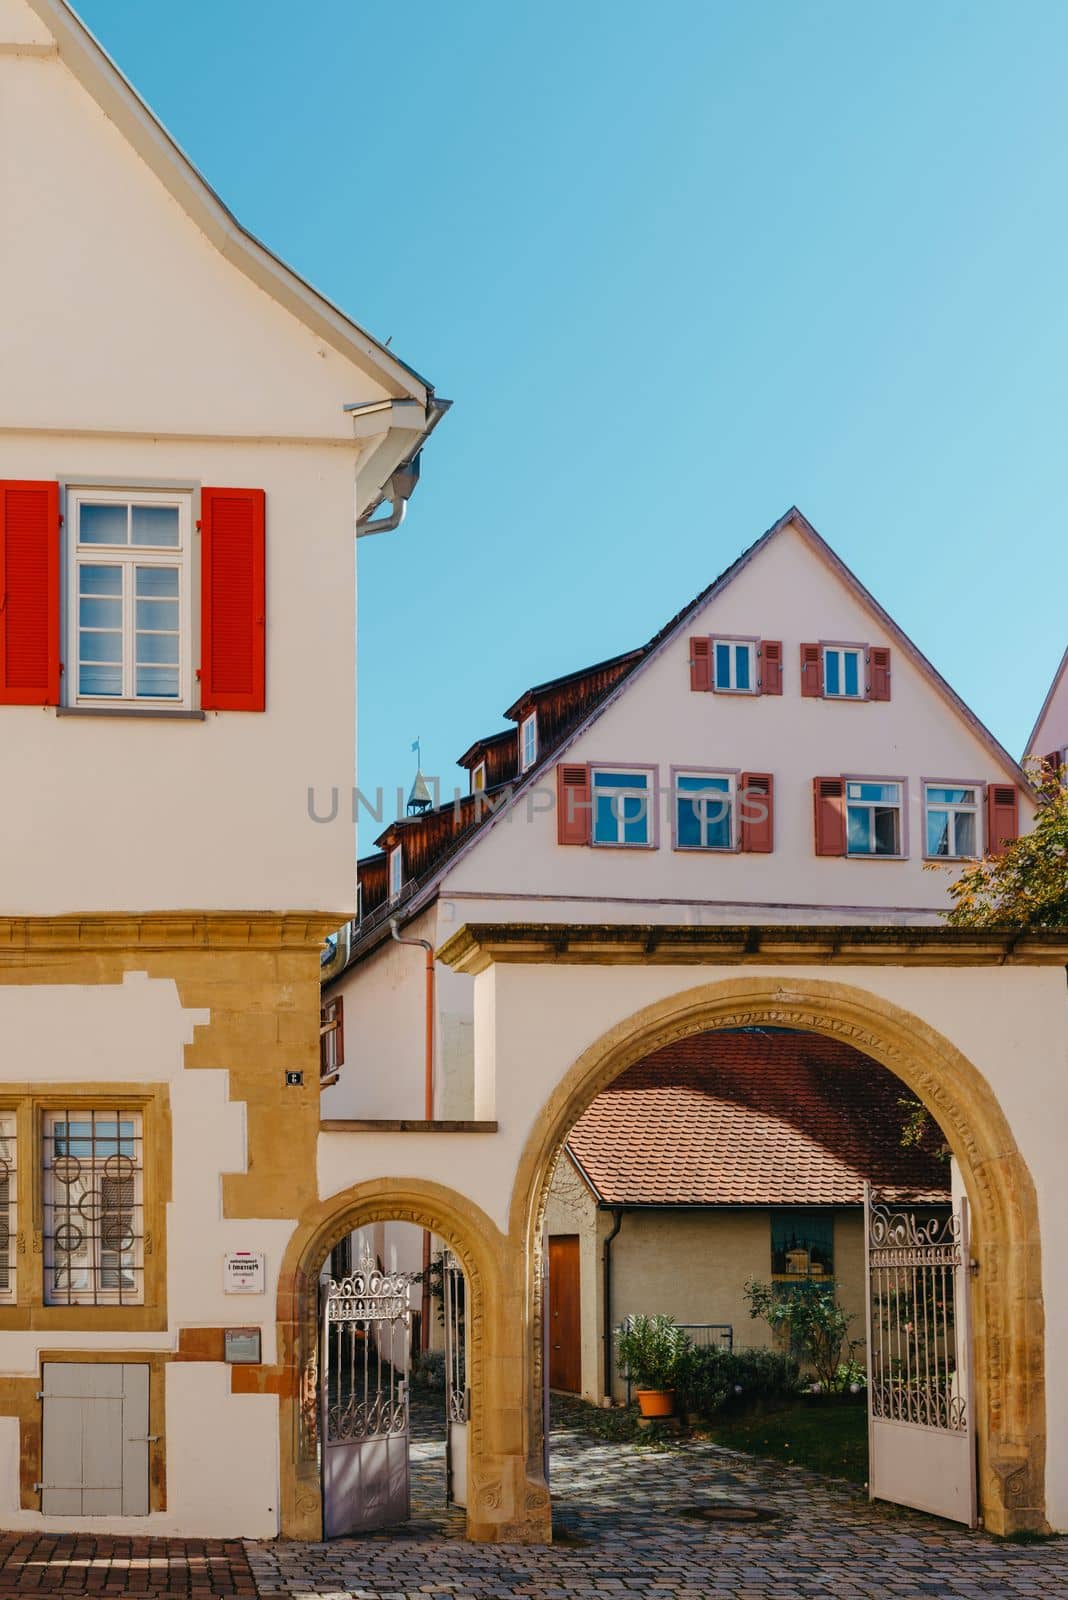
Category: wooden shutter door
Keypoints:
(94, 1444)
(29, 593)
(828, 798)
(701, 663)
(756, 810)
(232, 600)
(770, 667)
(811, 672)
(878, 673)
(573, 811)
(1002, 817)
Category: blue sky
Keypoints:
(679, 267)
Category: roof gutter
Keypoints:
(392, 423)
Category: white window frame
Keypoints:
(528, 742)
(128, 557)
(975, 809)
(478, 778)
(841, 651)
(395, 868)
(59, 1199)
(733, 646)
(625, 769)
(678, 795)
(901, 853)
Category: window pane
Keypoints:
(156, 525)
(858, 835)
(100, 646)
(157, 683)
(831, 678)
(157, 615)
(157, 581)
(94, 613)
(100, 680)
(802, 1244)
(852, 672)
(103, 524)
(951, 797)
(688, 825)
(885, 793)
(965, 830)
(100, 580)
(886, 832)
(605, 827)
(938, 833)
(156, 648)
(635, 820)
(723, 666)
(620, 780)
(741, 664)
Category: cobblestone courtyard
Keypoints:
(624, 1526)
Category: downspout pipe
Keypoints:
(617, 1213)
(428, 1102)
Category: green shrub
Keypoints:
(428, 1370)
(648, 1351)
(711, 1379)
(810, 1318)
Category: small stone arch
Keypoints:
(1009, 1342)
(479, 1246)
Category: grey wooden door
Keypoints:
(95, 1438)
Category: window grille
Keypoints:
(92, 1165)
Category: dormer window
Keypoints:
(478, 778)
(528, 742)
(396, 872)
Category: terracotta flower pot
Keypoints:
(656, 1402)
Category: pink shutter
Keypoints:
(878, 673)
(770, 668)
(573, 809)
(701, 664)
(757, 812)
(828, 798)
(1002, 817)
(29, 593)
(811, 672)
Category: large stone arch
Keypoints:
(497, 1478)
(1009, 1347)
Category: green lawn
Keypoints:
(831, 1439)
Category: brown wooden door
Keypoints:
(565, 1320)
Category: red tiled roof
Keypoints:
(758, 1117)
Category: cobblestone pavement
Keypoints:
(80, 1564)
(624, 1526)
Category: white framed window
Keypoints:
(8, 1206)
(528, 741)
(873, 818)
(478, 778)
(704, 811)
(951, 820)
(621, 798)
(129, 597)
(734, 666)
(93, 1236)
(395, 867)
(843, 672)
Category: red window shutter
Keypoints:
(700, 663)
(1002, 816)
(878, 673)
(573, 809)
(29, 593)
(757, 811)
(339, 1031)
(1053, 762)
(811, 672)
(828, 798)
(770, 668)
(232, 600)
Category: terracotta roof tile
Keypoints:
(757, 1117)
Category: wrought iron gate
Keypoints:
(366, 1337)
(921, 1441)
(457, 1389)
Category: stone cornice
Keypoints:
(478, 945)
(168, 930)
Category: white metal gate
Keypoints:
(921, 1412)
(366, 1346)
(457, 1387)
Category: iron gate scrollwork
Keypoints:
(365, 1430)
(457, 1389)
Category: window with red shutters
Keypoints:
(770, 668)
(1002, 816)
(573, 808)
(233, 600)
(811, 672)
(701, 663)
(29, 593)
(879, 673)
(757, 812)
(331, 1038)
(1053, 761)
(828, 799)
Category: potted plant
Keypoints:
(648, 1350)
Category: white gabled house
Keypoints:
(1048, 741)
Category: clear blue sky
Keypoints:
(679, 266)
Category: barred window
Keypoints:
(802, 1244)
(93, 1208)
(8, 1199)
